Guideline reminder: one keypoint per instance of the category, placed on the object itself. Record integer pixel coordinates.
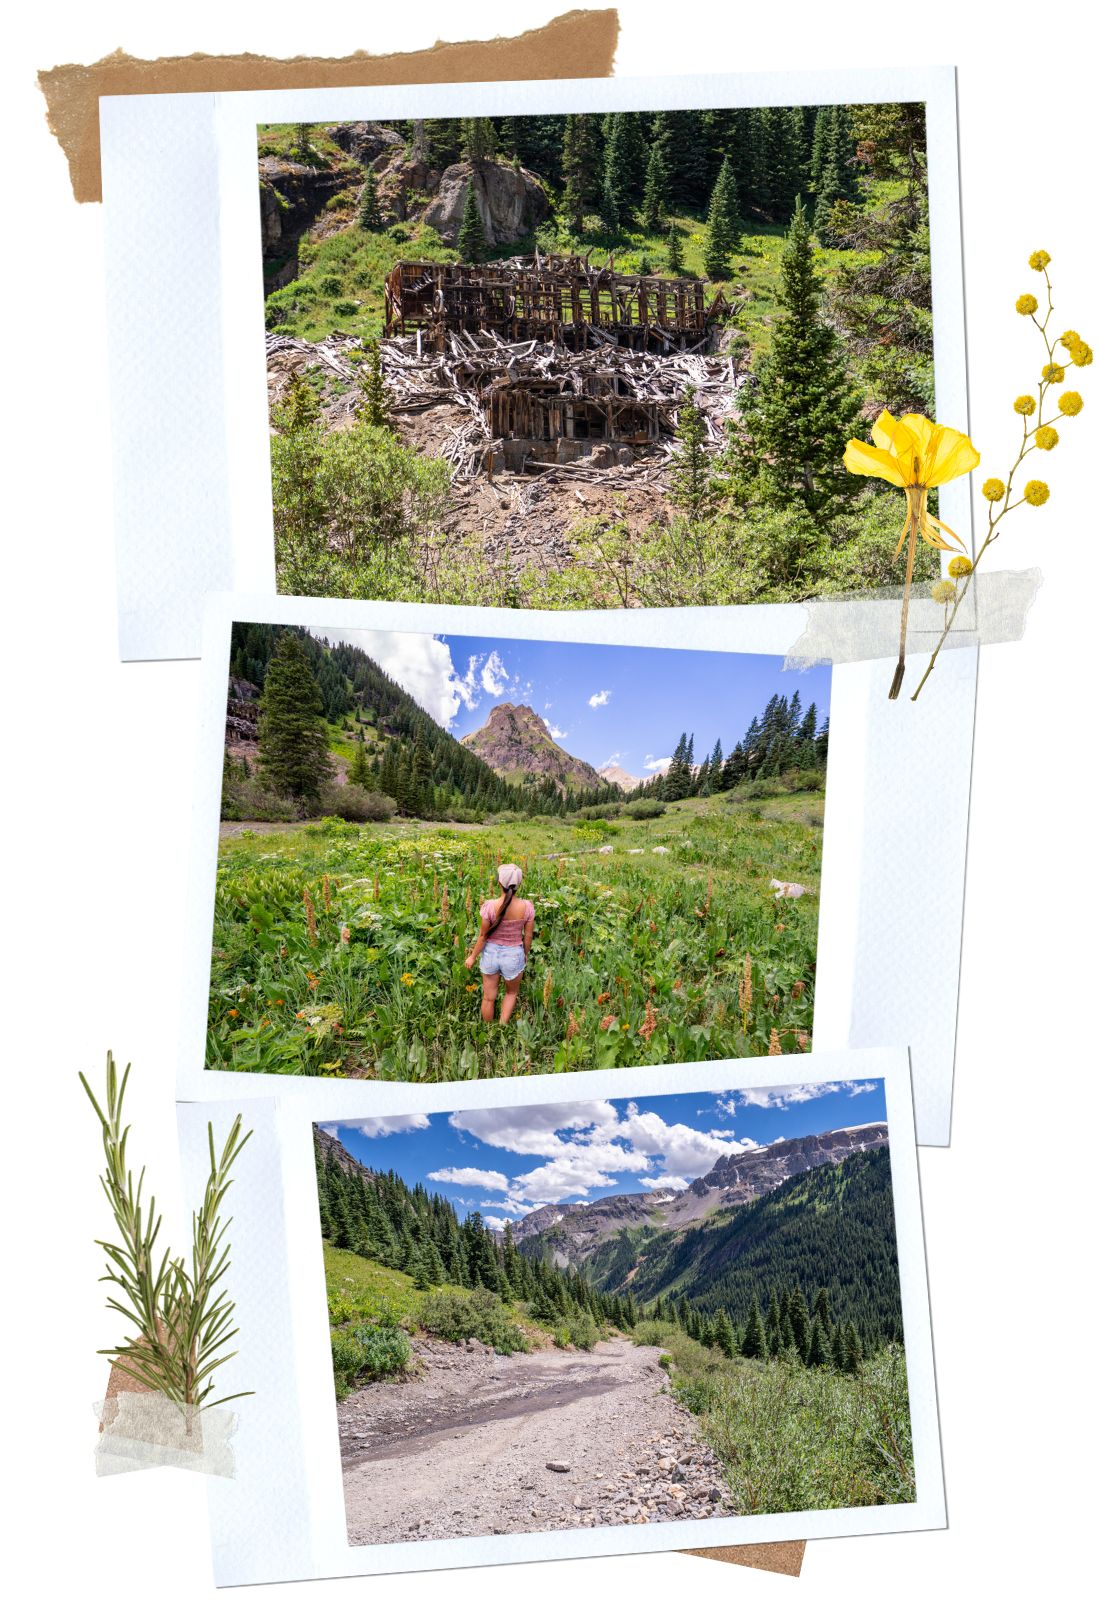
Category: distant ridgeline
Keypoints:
(402, 752)
(824, 1238)
(379, 1217)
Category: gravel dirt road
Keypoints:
(482, 1443)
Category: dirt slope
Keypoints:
(466, 1448)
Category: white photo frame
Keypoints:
(897, 796)
(185, 305)
(281, 1516)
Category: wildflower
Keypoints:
(299, 1015)
(1053, 373)
(572, 1027)
(311, 918)
(280, 1002)
(798, 989)
(345, 935)
(471, 988)
(943, 591)
(1070, 403)
(993, 489)
(607, 1022)
(1046, 438)
(960, 566)
(1026, 304)
(744, 993)
(548, 988)
(407, 979)
(1038, 260)
(602, 999)
(917, 455)
(679, 984)
(1036, 492)
(325, 894)
(312, 979)
(803, 1041)
(1081, 355)
(233, 1012)
(266, 1023)
(648, 1027)
(774, 1046)
(624, 1027)
(1070, 338)
(1024, 405)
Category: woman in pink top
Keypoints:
(503, 943)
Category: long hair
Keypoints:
(509, 896)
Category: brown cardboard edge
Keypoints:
(578, 44)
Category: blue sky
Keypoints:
(601, 702)
(506, 1161)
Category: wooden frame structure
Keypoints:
(558, 299)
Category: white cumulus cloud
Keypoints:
(494, 674)
(536, 1130)
(379, 1127)
(495, 1224)
(600, 698)
(796, 1094)
(420, 663)
(657, 763)
(663, 1183)
(555, 732)
(471, 1176)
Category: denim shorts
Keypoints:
(508, 960)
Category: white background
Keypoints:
(100, 782)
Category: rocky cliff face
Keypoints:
(242, 713)
(746, 1176)
(515, 740)
(572, 1232)
(511, 200)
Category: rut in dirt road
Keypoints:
(484, 1443)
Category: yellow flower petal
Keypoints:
(952, 456)
(870, 462)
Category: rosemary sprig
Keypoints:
(181, 1316)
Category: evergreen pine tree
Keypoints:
(293, 738)
(820, 1352)
(624, 165)
(675, 251)
(691, 485)
(372, 386)
(370, 212)
(581, 169)
(724, 1336)
(754, 1341)
(655, 197)
(723, 235)
(479, 140)
(802, 410)
(471, 232)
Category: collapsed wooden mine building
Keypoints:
(565, 359)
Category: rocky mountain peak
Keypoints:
(516, 741)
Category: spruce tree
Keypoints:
(293, 737)
(370, 212)
(372, 386)
(724, 1336)
(723, 236)
(802, 410)
(655, 198)
(675, 251)
(471, 232)
(691, 484)
(479, 140)
(624, 165)
(820, 1350)
(581, 169)
(754, 1340)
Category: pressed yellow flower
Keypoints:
(1070, 403)
(1053, 373)
(917, 455)
(1046, 438)
(407, 979)
(1026, 304)
(942, 591)
(1036, 492)
(1070, 338)
(1024, 404)
(960, 566)
(1082, 355)
(993, 489)
(1037, 260)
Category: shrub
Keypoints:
(345, 308)
(642, 810)
(331, 285)
(581, 1331)
(802, 779)
(353, 803)
(651, 1332)
(599, 813)
(398, 234)
(478, 1315)
(247, 800)
(383, 1351)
